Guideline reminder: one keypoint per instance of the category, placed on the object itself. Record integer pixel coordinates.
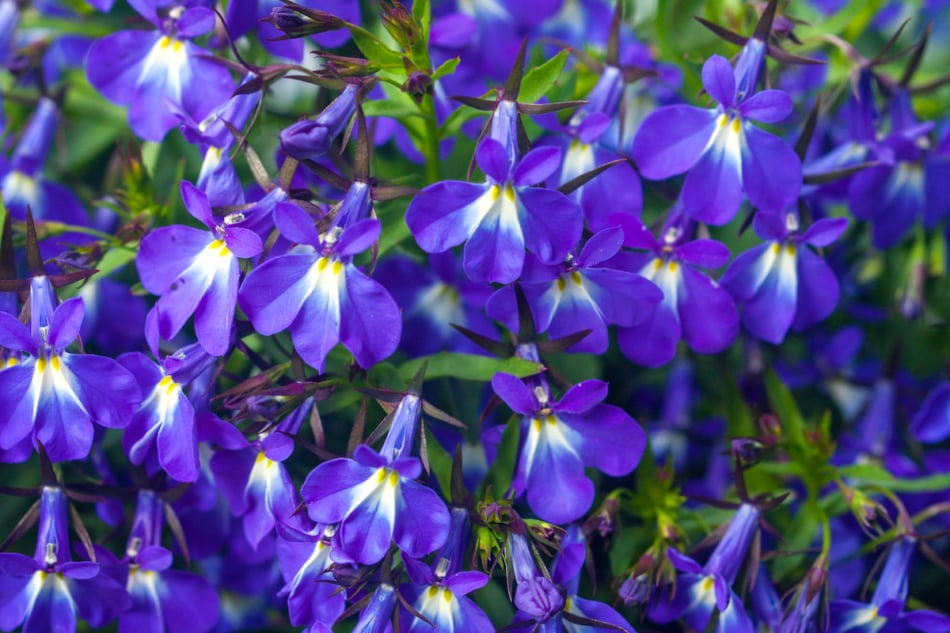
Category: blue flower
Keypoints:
(60, 394)
(499, 219)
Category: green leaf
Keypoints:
(115, 258)
(540, 79)
(391, 107)
(502, 471)
(799, 538)
(421, 11)
(468, 366)
(373, 48)
(441, 464)
(739, 419)
(866, 472)
(446, 68)
(455, 121)
(932, 483)
(785, 407)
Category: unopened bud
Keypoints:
(296, 21)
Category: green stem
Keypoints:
(432, 140)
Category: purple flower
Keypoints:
(317, 292)
(163, 430)
(499, 219)
(163, 599)
(376, 616)
(720, 150)
(196, 272)
(439, 593)
(257, 485)
(931, 424)
(909, 184)
(24, 185)
(583, 292)
(561, 438)
(700, 590)
(215, 137)
(376, 502)
(885, 611)
(374, 499)
(312, 595)
(161, 72)
(312, 139)
(58, 395)
(783, 284)
(51, 592)
(432, 298)
(694, 307)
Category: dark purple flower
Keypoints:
(499, 219)
(58, 394)
(317, 291)
(560, 438)
(51, 592)
(158, 73)
(432, 297)
(374, 499)
(720, 150)
(694, 307)
(782, 284)
(196, 272)
(311, 139)
(584, 292)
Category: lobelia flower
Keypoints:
(911, 184)
(931, 423)
(782, 284)
(163, 599)
(885, 612)
(700, 590)
(312, 595)
(163, 430)
(565, 575)
(616, 190)
(159, 73)
(694, 307)
(439, 593)
(213, 134)
(256, 484)
(561, 438)
(317, 291)
(196, 272)
(50, 591)
(536, 597)
(583, 292)
(24, 185)
(432, 298)
(499, 219)
(376, 616)
(311, 139)
(55, 396)
(721, 152)
(374, 499)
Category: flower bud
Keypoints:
(296, 21)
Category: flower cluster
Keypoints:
(471, 315)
